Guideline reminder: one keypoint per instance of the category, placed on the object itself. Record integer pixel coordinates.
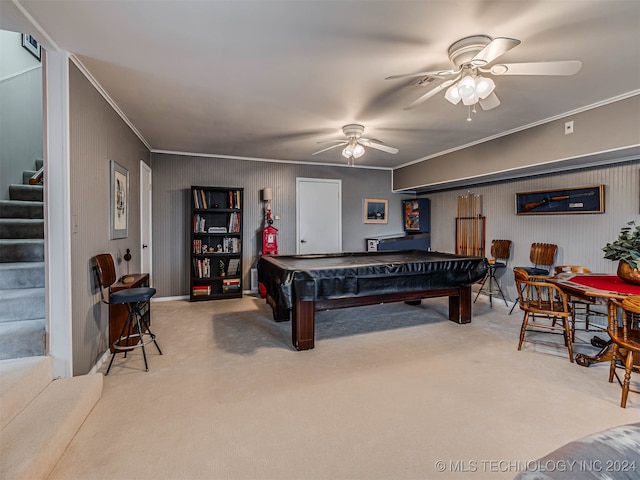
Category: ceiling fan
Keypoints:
(471, 56)
(354, 143)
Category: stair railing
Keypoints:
(37, 177)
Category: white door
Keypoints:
(318, 215)
(145, 220)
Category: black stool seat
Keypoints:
(141, 294)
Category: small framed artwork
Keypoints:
(119, 201)
(32, 45)
(376, 210)
(569, 200)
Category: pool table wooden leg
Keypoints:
(460, 306)
(303, 325)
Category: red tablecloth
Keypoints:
(610, 283)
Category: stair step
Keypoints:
(21, 380)
(21, 209)
(21, 250)
(34, 441)
(21, 228)
(26, 192)
(22, 338)
(22, 304)
(21, 275)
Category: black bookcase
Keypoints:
(216, 243)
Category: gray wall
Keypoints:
(20, 127)
(580, 237)
(174, 174)
(612, 127)
(98, 135)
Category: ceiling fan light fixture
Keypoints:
(347, 152)
(467, 87)
(358, 151)
(452, 94)
(484, 86)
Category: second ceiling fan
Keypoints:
(354, 143)
(470, 57)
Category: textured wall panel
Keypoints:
(20, 127)
(98, 135)
(174, 174)
(580, 237)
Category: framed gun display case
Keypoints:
(569, 200)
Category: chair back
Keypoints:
(625, 330)
(570, 269)
(540, 297)
(543, 254)
(501, 249)
(105, 272)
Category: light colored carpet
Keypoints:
(388, 392)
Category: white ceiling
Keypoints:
(268, 79)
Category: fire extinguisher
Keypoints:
(269, 235)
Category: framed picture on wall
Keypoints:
(32, 45)
(569, 200)
(119, 201)
(376, 210)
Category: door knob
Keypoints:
(144, 246)
(303, 241)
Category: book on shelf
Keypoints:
(202, 267)
(231, 285)
(232, 269)
(201, 290)
(199, 224)
(234, 222)
(199, 198)
(217, 230)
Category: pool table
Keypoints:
(297, 286)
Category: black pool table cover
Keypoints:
(290, 278)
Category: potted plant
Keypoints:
(626, 249)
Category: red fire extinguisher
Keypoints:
(269, 236)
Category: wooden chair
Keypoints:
(541, 256)
(542, 302)
(624, 330)
(500, 252)
(135, 331)
(579, 307)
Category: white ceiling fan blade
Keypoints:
(431, 93)
(566, 67)
(497, 47)
(492, 101)
(329, 148)
(378, 146)
(335, 140)
(434, 73)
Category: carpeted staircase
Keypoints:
(40, 416)
(22, 298)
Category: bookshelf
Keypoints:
(216, 243)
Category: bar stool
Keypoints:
(500, 251)
(135, 331)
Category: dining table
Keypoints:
(595, 288)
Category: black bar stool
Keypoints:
(135, 331)
(500, 251)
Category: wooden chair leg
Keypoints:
(628, 367)
(614, 359)
(567, 337)
(525, 321)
